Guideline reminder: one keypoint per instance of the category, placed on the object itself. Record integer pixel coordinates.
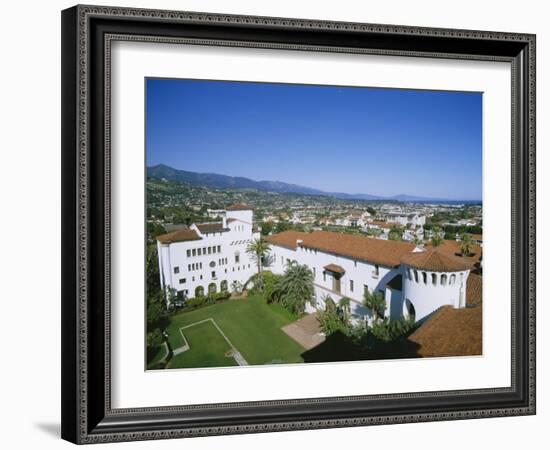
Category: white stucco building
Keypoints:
(413, 219)
(414, 281)
(208, 257)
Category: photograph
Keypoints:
(295, 223)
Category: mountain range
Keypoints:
(217, 181)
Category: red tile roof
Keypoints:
(238, 207)
(335, 268)
(216, 227)
(179, 236)
(377, 251)
(286, 239)
(474, 289)
(452, 248)
(435, 261)
(450, 332)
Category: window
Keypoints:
(219, 248)
(424, 277)
(209, 250)
(237, 258)
(199, 252)
(376, 270)
(200, 265)
(355, 263)
(416, 276)
(434, 279)
(212, 264)
(213, 274)
(194, 252)
(351, 285)
(192, 278)
(188, 253)
(176, 269)
(453, 279)
(365, 289)
(443, 280)
(204, 250)
(324, 276)
(314, 273)
(182, 280)
(188, 267)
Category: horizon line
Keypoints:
(327, 193)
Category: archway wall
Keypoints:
(426, 297)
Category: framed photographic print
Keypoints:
(281, 224)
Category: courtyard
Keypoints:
(240, 331)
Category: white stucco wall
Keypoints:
(427, 297)
(225, 267)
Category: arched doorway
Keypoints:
(212, 288)
(199, 291)
(410, 309)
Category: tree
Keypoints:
(436, 238)
(466, 245)
(282, 226)
(334, 318)
(154, 338)
(371, 210)
(258, 249)
(376, 303)
(267, 228)
(295, 288)
(395, 234)
(345, 308)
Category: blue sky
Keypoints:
(339, 139)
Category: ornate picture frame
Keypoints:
(87, 35)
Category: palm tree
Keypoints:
(345, 305)
(466, 245)
(258, 249)
(295, 288)
(376, 303)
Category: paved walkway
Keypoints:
(306, 331)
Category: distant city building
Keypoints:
(404, 220)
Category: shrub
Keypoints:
(154, 338)
(196, 302)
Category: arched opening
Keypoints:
(443, 280)
(199, 291)
(223, 286)
(434, 279)
(409, 272)
(212, 288)
(453, 279)
(410, 309)
(416, 276)
(424, 277)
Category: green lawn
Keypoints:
(207, 348)
(252, 326)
